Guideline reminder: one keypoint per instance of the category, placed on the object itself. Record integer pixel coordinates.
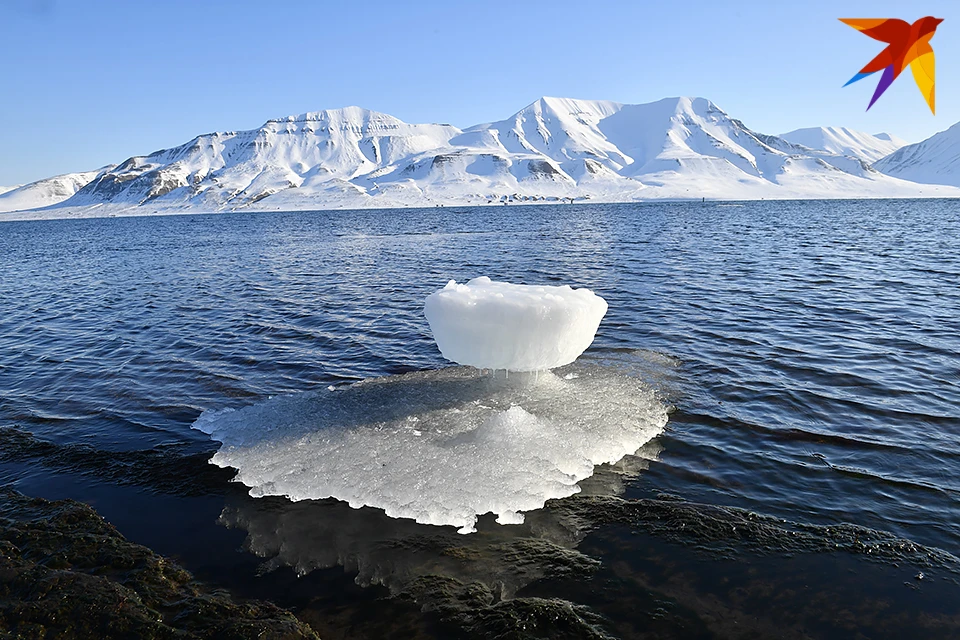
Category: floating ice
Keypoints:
(440, 447)
(498, 325)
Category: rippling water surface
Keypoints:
(810, 350)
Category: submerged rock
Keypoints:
(67, 573)
(471, 610)
(730, 531)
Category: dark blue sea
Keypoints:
(807, 483)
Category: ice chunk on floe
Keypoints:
(498, 325)
(478, 444)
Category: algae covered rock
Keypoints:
(67, 573)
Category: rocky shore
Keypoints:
(67, 573)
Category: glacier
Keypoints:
(498, 325)
(553, 150)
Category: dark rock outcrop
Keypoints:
(67, 573)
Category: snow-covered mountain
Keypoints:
(842, 141)
(323, 157)
(46, 192)
(5, 189)
(552, 149)
(936, 160)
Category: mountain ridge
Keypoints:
(46, 192)
(935, 160)
(844, 141)
(551, 150)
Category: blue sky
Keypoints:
(90, 83)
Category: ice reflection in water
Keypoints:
(311, 534)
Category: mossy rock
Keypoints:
(67, 573)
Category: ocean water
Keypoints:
(807, 483)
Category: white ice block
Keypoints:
(498, 325)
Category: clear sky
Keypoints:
(88, 83)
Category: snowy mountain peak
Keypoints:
(344, 113)
(843, 141)
(693, 105)
(890, 138)
(554, 148)
(349, 118)
(46, 192)
(355, 123)
(605, 108)
(550, 106)
(936, 160)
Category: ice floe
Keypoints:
(440, 447)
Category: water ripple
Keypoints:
(813, 349)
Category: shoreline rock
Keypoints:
(66, 572)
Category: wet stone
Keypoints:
(67, 573)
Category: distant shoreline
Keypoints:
(120, 211)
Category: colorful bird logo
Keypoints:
(906, 44)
